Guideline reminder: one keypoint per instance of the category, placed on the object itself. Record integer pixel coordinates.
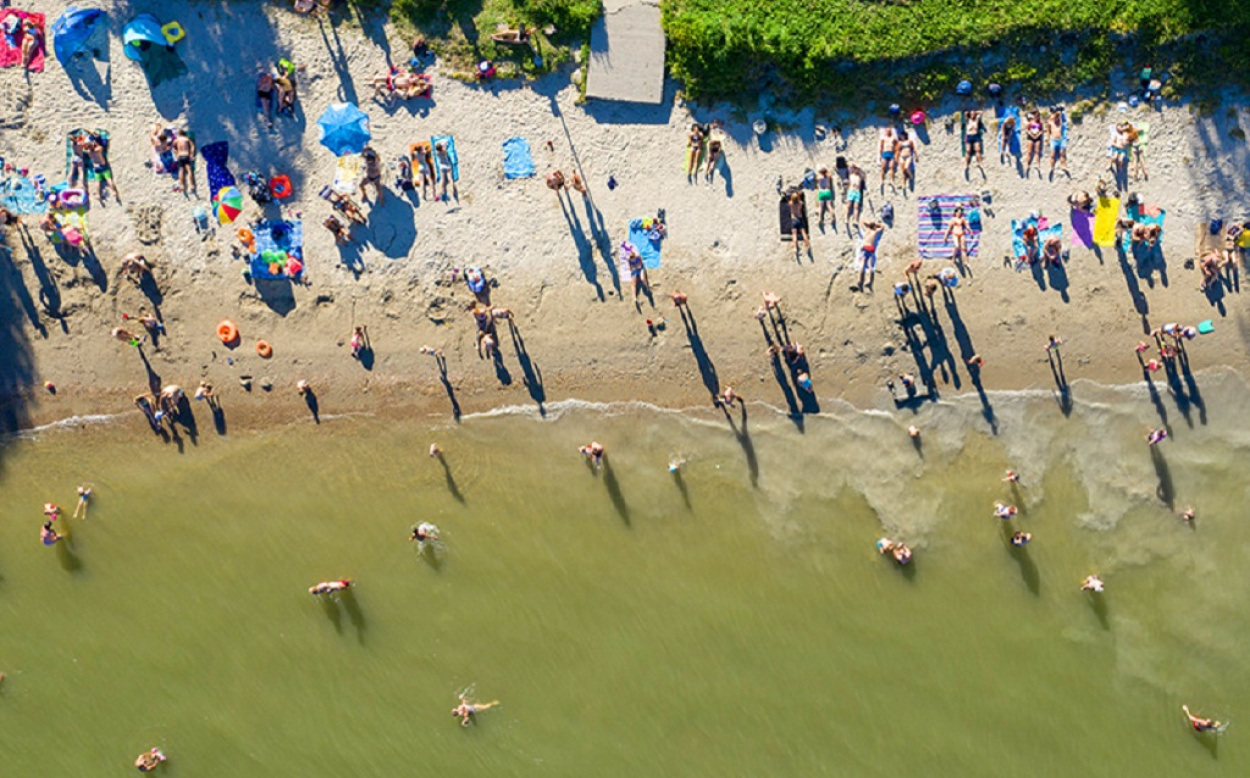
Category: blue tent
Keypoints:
(141, 33)
(146, 44)
(72, 29)
(344, 129)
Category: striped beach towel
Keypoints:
(934, 220)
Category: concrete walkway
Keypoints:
(627, 53)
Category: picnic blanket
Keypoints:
(450, 142)
(17, 195)
(1082, 228)
(647, 241)
(12, 35)
(1106, 212)
(277, 242)
(348, 172)
(1001, 114)
(517, 162)
(1045, 231)
(215, 156)
(935, 220)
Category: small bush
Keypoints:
(571, 18)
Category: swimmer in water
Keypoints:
(900, 551)
(466, 710)
(329, 587)
(594, 452)
(674, 465)
(1004, 511)
(148, 761)
(1092, 583)
(423, 532)
(913, 432)
(1020, 539)
(53, 512)
(48, 535)
(1155, 436)
(1200, 724)
(84, 494)
(435, 451)
(1188, 515)
(1011, 477)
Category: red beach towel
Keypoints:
(11, 42)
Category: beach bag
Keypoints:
(257, 188)
(974, 218)
(887, 213)
(1215, 226)
(963, 88)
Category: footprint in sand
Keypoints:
(148, 224)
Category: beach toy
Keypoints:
(294, 267)
(247, 239)
(1206, 327)
(227, 332)
(72, 198)
(72, 236)
(280, 186)
(264, 349)
(173, 32)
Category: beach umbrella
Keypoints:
(72, 29)
(344, 129)
(228, 204)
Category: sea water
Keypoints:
(733, 619)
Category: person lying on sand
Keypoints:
(264, 95)
(32, 42)
(342, 235)
(100, 170)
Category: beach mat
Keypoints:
(931, 236)
(1045, 231)
(1106, 212)
(279, 235)
(215, 157)
(451, 154)
(1001, 113)
(1082, 228)
(11, 44)
(348, 172)
(17, 195)
(647, 243)
(517, 162)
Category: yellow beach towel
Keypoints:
(1105, 215)
(694, 156)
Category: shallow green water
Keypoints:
(741, 629)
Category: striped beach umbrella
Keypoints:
(227, 204)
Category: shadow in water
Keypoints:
(451, 480)
(743, 437)
(614, 491)
(331, 608)
(314, 407)
(532, 376)
(1098, 604)
(447, 387)
(681, 487)
(1166, 490)
(70, 561)
(354, 614)
(1020, 555)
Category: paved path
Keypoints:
(627, 53)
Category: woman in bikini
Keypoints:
(973, 130)
(422, 161)
(1034, 132)
(694, 147)
(1005, 133)
(1136, 150)
(32, 42)
(264, 95)
(957, 228)
(1058, 143)
(907, 158)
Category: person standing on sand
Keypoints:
(1058, 143)
(100, 170)
(184, 158)
(556, 182)
(854, 195)
(887, 145)
(906, 159)
(824, 196)
(637, 271)
(798, 222)
(373, 175)
(974, 129)
(360, 340)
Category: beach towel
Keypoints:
(12, 35)
(1204, 241)
(1082, 228)
(935, 221)
(277, 243)
(215, 156)
(646, 240)
(1106, 213)
(1145, 216)
(1045, 231)
(1001, 114)
(517, 162)
(349, 170)
(451, 155)
(17, 195)
(72, 224)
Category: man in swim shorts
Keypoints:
(184, 155)
(886, 146)
(100, 170)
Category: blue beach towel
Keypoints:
(215, 156)
(647, 242)
(17, 195)
(1043, 234)
(450, 142)
(1137, 215)
(281, 235)
(934, 221)
(1002, 113)
(517, 162)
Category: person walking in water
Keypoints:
(150, 760)
(47, 535)
(1004, 511)
(423, 532)
(1199, 723)
(594, 452)
(467, 711)
(1092, 583)
(329, 587)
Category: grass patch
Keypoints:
(459, 31)
(841, 51)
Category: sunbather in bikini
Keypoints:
(32, 42)
(344, 205)
(342, 236)
(373, 175)
(286, 86)
(973, 130)
(1034, 131)
(907, 158)
(957, 228)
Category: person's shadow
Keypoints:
(450, 480)
(1166, 490)
(1098, 604)
(354, 614)
(447, 387)
(533, 377)
(614, 491)
(1020, 555)
(314, 407)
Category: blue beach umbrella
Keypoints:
(344, 129)
(72, 29)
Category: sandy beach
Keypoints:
(553, 261)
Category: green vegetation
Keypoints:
(848, 51)
(459, 31)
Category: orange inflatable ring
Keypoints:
(280, 187)
(247, 238)
(227, 332)
(264, 349)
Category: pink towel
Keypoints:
(11, 44)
